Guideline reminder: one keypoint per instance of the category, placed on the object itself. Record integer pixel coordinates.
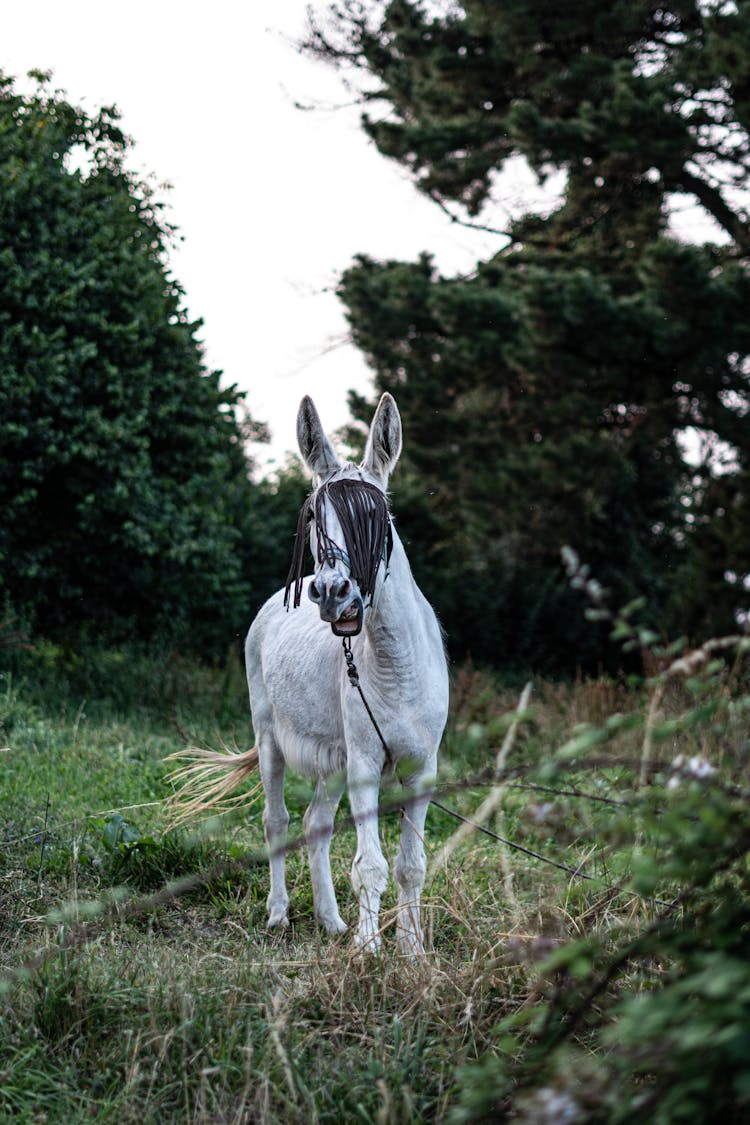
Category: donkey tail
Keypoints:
(205, 782)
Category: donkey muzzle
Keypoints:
(349, 621)
(338, 602)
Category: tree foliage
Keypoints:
(123, 477)
(548, 395)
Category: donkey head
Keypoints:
(348, 518)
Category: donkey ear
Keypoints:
(317, 451)
(383, 447)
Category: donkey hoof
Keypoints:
(333, 926)
(411, 948)
(278, 920)
(368, 944)
(409, 942)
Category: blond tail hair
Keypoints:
(205, 782)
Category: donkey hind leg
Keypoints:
(410, 865)
(318, 824)
(369, 870)
(275, 824)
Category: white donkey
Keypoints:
(306, 713)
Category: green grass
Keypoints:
(122, 1002)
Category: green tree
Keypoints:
(123, 477)
(272, 516)
(546, 396)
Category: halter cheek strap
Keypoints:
(333, 552)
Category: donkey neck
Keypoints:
(394, 625)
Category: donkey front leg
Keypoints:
(369, 870)
(410, 865)
(318, 823)
(275, 824)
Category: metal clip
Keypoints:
(351, 667)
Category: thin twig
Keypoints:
(502, 754)
(493, 799)
(469, 223)
(44, 844)
(275, 1027)
(646, 753)
(567, 793)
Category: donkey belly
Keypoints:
(294, 680)
(307, 755)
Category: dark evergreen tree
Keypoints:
(545, 396)
(123, 478)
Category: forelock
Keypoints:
(361, 508)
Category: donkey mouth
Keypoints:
(349, 623)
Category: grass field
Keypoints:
(138, 982)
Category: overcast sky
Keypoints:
(272, 201)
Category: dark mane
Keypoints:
(362, 511)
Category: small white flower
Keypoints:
(558, 1107)
(699, 767)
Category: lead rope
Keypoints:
(353, 674)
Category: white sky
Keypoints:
(272, 201)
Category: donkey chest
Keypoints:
(319, 735)
(410, 721)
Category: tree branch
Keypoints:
(433, 195)
(710, 198)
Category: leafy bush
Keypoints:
(123, 480)
(649, 1019)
